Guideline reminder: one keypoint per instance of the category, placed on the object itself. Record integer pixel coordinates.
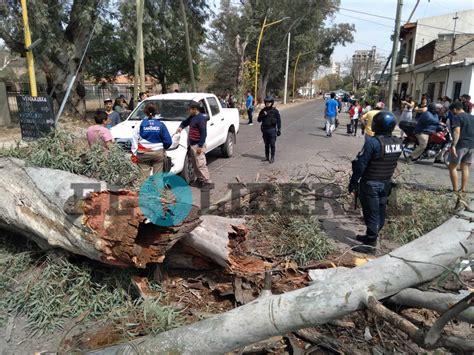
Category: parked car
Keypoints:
(222, 127)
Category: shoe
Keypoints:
(438, 161)
(196, 183)
(250, 124)
(266, 159)
(366, 248)
(272, 159)
(363, 239)
(207, 186)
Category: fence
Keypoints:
(95, 96)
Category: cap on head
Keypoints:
(107, 100)
(383, 123)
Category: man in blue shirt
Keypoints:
(331, 113)
(427, 124)
(372, 173)
(249, 105)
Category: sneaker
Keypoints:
(272, 159)
(250, 124)
(196, 183)
(266, 159)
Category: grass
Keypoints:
(52, 290)
(63, 151)
(413, 213)
(299, 238)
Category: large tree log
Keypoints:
(49, 207)
(417, 262)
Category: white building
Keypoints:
(425, 63)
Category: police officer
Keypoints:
(269, 116)
(372, 172)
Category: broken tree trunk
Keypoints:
(48, 206)
(415, 263)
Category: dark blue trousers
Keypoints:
(373, 195)
(250, 114)
(269, 138)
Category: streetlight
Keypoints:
(264, 25)
(296, 65)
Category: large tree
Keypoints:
(305, 19)
(64, 27)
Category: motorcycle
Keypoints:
(438, 143)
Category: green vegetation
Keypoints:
(299, 238)
(51, 290)
(63, 151)
(416, 212)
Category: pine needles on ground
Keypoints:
(414, 213)
(63, 151)
(50, 291)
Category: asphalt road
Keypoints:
(303, 147)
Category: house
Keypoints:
(436, 56)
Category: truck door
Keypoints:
(217, 121)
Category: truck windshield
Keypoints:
(169, 110)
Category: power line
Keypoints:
(435, 60)
(391, 18)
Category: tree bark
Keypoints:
(49, 207)
(417, 262)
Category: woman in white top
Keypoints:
(408, 106)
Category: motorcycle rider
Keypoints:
(427, 124)
(270, 118)
(372, 172)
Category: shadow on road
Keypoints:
(252, 156)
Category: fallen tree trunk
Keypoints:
(415, 263)
(436, 301)
(56, 209)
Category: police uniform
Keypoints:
(271, 128)
(372, 170)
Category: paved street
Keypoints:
(303, 146)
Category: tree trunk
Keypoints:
(48, 206)
(417, 262)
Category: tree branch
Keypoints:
(434, 333)
(415, 334)
(14, 45)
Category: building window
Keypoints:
(441, 89)
(457, 89)
(431, 91)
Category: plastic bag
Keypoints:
(175, 141)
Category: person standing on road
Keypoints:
(99, 131)
(113, 116)
(372, 172)
(354, 113)
(197, 123)
(149, 141)
(331, 114)
(368, 117)
(408, 106)
(249, 106)
(462, 149)
(270, 118)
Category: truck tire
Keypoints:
(228, 147)
(188, 169)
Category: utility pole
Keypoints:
(137, 74)
(141, 56)
(29, 53)
(285, 92)
(455, 18)
(188, 46)
(393, 64)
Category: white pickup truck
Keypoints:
(222, 126)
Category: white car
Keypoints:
(222, 126)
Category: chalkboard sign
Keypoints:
(36, 116)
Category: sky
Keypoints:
(374, 31)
